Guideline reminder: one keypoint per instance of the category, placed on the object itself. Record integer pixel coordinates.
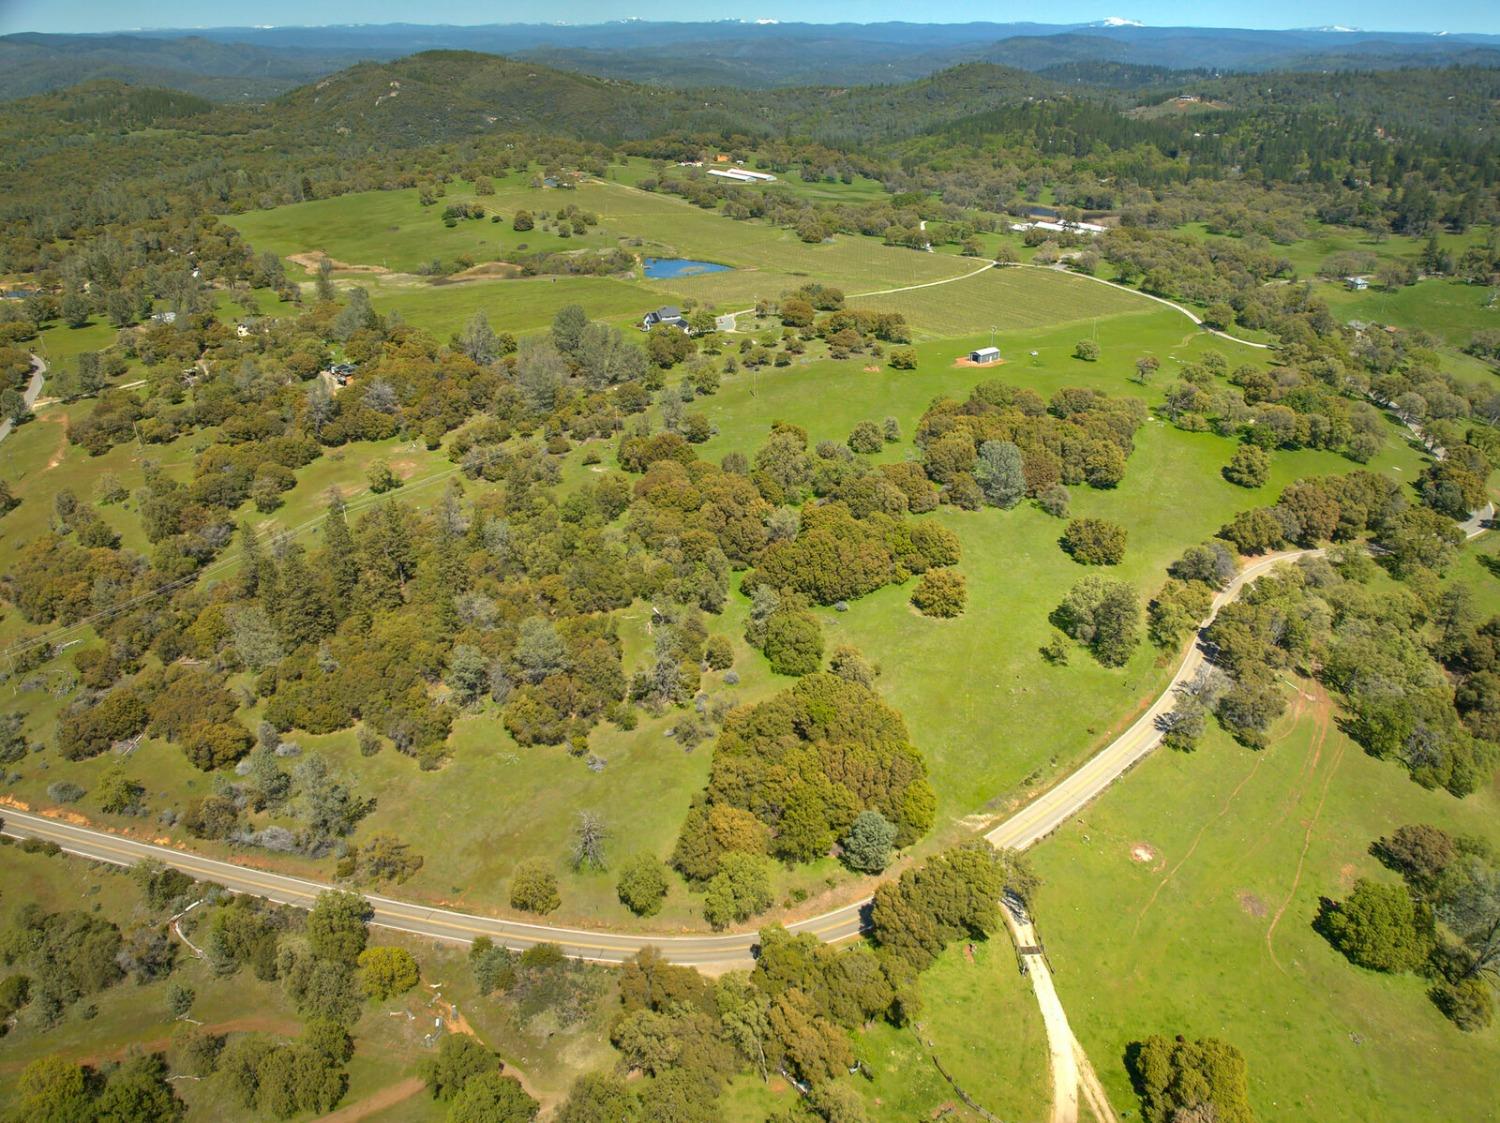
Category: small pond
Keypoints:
(662, 268)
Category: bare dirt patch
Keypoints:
(62, 441)
(406, 469)
(1251, 903)
(485, 270)
(379, 1101)
(965, 361)
(310, 260)
(1143, 852)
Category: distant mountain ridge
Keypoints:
(252, 64)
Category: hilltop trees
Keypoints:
(792, 774)
(1078, 436)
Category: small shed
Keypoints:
(1356, 284)
(985, 355)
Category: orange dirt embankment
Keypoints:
(310, 260)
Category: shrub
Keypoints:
(740, 889)
(1104, 614)
(381, 478)
(534, 889)
(1379, 926)
(1250, 466)
(866, 438)
(1087, 350)
(1054, 499)
(1182, 1080)
(1467, 1003)
(794, 642)
(1094, 541)
(387, 971)
(940, 592)
(718, 653)
(903, 358)
(643, 885)
(867, 847)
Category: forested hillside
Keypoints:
(432, 498)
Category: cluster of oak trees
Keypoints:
(791, 777)
(1004, 443)
(62, 960)
(681, 1037)
(1441, 920)
(1407, 658)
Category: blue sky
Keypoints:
(115, 15)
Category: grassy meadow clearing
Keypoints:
(993, 719)
(1000, 1059)
(972, 689)
(1182, 901)
(357, 229)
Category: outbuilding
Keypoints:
(985, 355)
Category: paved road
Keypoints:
(1062, 267)
(31, 393)
(1028, 825)
(1049, 811)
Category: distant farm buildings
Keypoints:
(740, 175)
(985, 355)
(1060, 227)
(1356, 284)
(668, 314)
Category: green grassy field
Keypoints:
(1307, 254)
(522, 305)
(1211, 935)
(632, 170)
(1001, 1061)
(357, 229)
(393, 230)
(1448, 309)
(971, 688)
(1008, 300)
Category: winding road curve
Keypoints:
(31, 393)
(1061, 267)
(732, 949)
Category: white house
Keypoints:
(985, 355)
(1357, 284)
(740, 175)
(670, 315)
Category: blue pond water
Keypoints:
(661, 268)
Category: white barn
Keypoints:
(985, 355)
(740, 175)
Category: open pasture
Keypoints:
(1007, 300)
(1212, 936)
(393, 230)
